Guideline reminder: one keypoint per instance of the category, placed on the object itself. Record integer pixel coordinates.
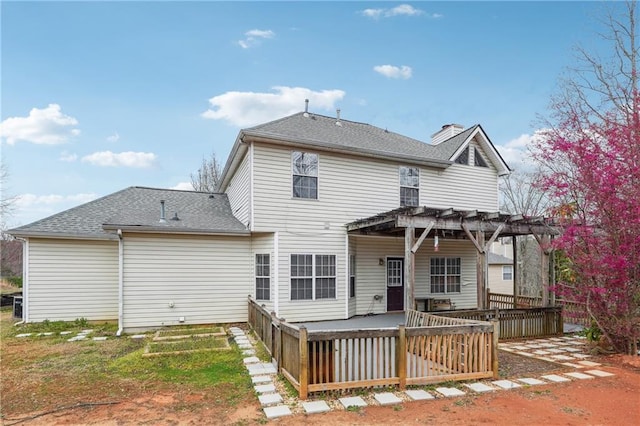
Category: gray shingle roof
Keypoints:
(448, 147)
(320, 130)
(498, 259)
(139, 208)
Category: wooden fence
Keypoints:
(518, 323)
(430, 349)
(573, 312)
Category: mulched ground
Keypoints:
(512, 365)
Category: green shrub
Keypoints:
(15, 281)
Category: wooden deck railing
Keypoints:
(573, 312)
(431, 349)
(518, 323)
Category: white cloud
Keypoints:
(400, 10)
(31, 200)
(31, 207)
(391, 71)
(254, 38)
(113, 138)
(249, 108)
(47, 126)
(183, 186)
(122, 159)
(516, 151)
(68, 157)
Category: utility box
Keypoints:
(17, 307)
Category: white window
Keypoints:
(507, 272)
(445, 275)
(409, 186)
(352, 275)
(304, 167)
(463, 158)
(313, 277)
(263, 277)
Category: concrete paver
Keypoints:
(555, 378)
(275, 412)
(599, 373)
(386, 398)
(314, 407)
(270, 399)
(578, 375)
(479, 387)
(506, 384)
(352, 401)
(418, 394)
(449, 391)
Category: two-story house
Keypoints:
(306, 221)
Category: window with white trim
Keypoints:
(409, 186)
(507, 272)
(352, 275)
(445, 274)
(313, 276)
(304, 169)
(263, 277)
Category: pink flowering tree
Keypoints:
(595, 181)
(590, 157)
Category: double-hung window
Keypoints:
(445, 275)
(507, 272)
(352, 275)
(304, 169)
(263, 277)
(313, 276)
(409, 186)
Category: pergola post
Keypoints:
(481, 261)
(516, 271)
(409, 268)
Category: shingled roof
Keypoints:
(138, 209)
(330, 132)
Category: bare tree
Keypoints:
(207, 177)
(599, 88)
(7, 202)
(520, 195)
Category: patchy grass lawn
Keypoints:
(42, 373)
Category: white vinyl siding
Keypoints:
(201, 279)
(331, 243)
(496, 283)
(372, 188)
(263, 244)
(238, 191)
(371, 275)
(71, 279)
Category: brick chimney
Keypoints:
(447, 131)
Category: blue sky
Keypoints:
(97, 97)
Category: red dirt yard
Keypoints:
(601, 401)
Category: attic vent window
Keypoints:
(478, 160)
(463, 158)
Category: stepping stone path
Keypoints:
(263, 376)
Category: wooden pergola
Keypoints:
(481, 228)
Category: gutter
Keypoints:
(120, 283)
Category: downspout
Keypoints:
(276, 273)
(120, 283)
(25, 281)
